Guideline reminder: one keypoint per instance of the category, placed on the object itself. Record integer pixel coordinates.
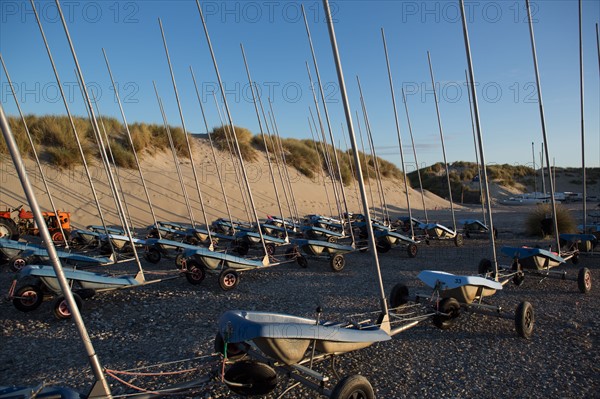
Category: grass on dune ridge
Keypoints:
(55, 143)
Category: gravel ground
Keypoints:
(480, 356)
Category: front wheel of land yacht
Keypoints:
(61, 309)
(575, 259)
(291, 253)
(519, 278)
(250, 377)
(449, 309)
(584, 280)
(337, 263)
(235, 351)
(179, 261)
(524, 320)
(485, 266)
(28, 298)
(399, 295)
(412, 250)
(17, 263)
(229, 279)
(383, 246)
(195, 273)
(242, 248)
(270, 248)
(153, 255)
(302, 261)
(353, 387)
(459, 240)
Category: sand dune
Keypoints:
(71, 190)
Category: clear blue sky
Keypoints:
(276, 45)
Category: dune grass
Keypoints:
(564, 218)
(55, 141)
(56, 144)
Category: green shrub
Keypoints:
(223, 139)
(565, 220)
(64, 158)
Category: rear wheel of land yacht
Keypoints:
(28, 298)
(17, 263)
(399, 295)
(524, 320)
(353, 387)
(195, 273)
(584, 280)
(449, 309)
(229, 279)
(337, 263)
(412, 250)
(61, 309)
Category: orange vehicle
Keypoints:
(24, 224)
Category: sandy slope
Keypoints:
(71, 190)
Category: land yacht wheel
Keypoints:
(524, 320)
(28, 298)
(250, 377)
(179, 261)
(61, 309)
(235, 351)
(459, 240)
(485, 266)
(584, 280)
(153, 255)
(353, 387)
(399, 295)
(383, 246)
(449, 310)
(195, 273)
(302, 261)
(337, 263)
(229, 279)
(412, 250)
(17, 263)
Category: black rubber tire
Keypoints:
(459, 240)
(57, 237)
(575, 259)
(235, 351)
(332, 239)
(85, 293)
(302, 261)
(179, 260)
(412, 250)
(153, 255)
(584, 280)
(485, 266)
(242, 248)
(451, 308)
(8, 229)
(251, 378)
(229, 279)
(195, 273)
(270, 248)
(291, 253)
(353, 387)
(18, 263)
(28, 298)
(518, 279)
(60, 308)
(399, 295)
(524, 320)
(77, 243)
(383, 246)
(337, 262)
